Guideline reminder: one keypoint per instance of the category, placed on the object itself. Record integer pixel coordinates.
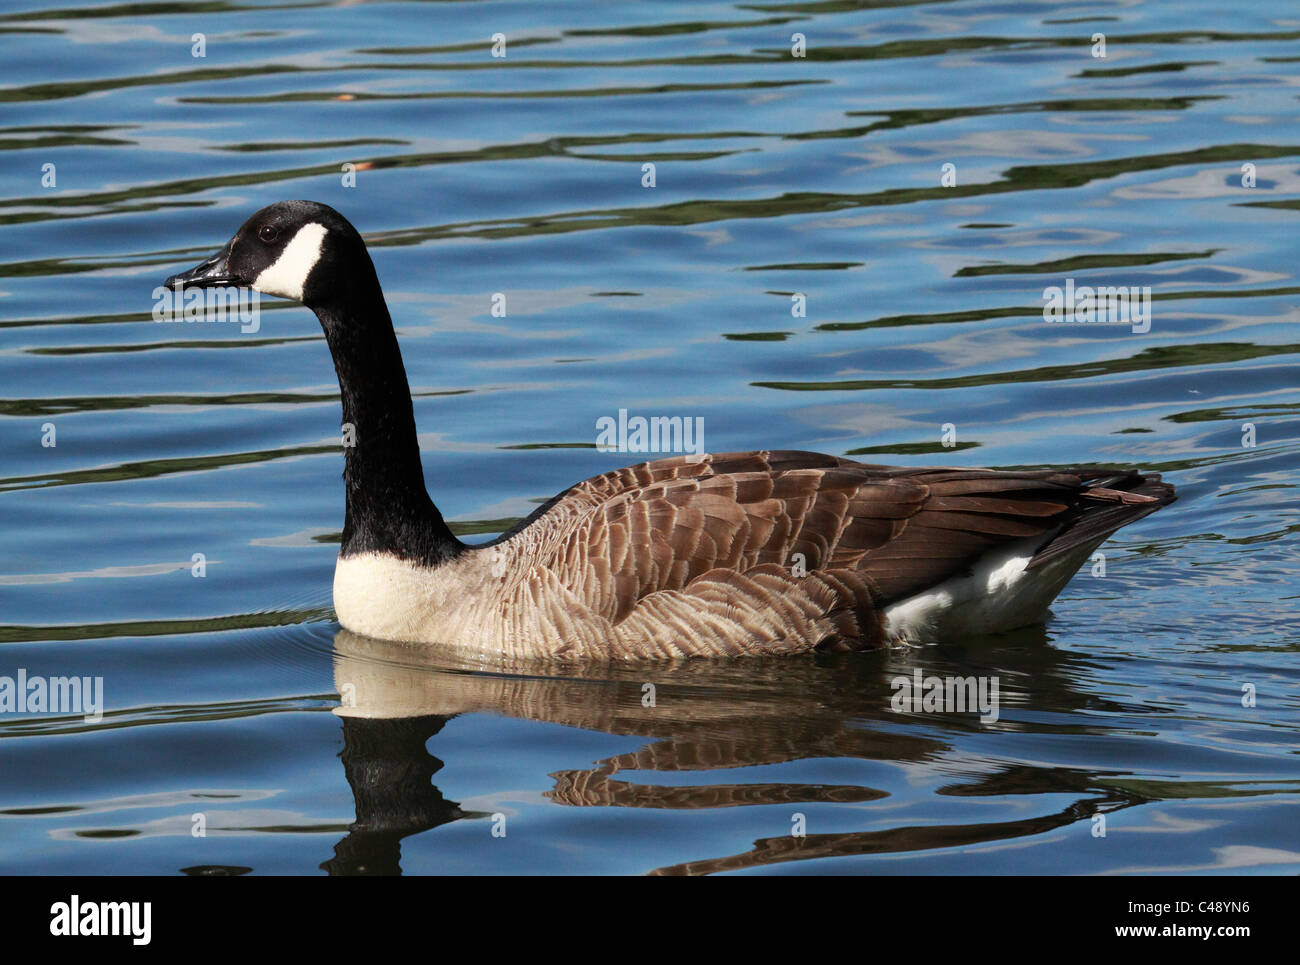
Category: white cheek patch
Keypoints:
(288, 275)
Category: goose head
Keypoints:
(301, 250)
(310, 253)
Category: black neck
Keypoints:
(388, 507)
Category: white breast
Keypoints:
(393, 599)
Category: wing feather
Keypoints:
(724, 530)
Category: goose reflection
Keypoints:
(697, 716)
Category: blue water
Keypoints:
(522, 175)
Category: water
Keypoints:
(523, 175)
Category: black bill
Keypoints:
(212, 273)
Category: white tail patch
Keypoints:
(288, 276)
(1000, 593)
(996, 595)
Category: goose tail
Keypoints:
(1109, 500)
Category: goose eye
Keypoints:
(268, 233)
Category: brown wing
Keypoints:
(737, 530)
(966, 514)
(616, 538)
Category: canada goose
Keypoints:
(715, 555)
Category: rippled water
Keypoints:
(523, 175)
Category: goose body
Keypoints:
(714, 555)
